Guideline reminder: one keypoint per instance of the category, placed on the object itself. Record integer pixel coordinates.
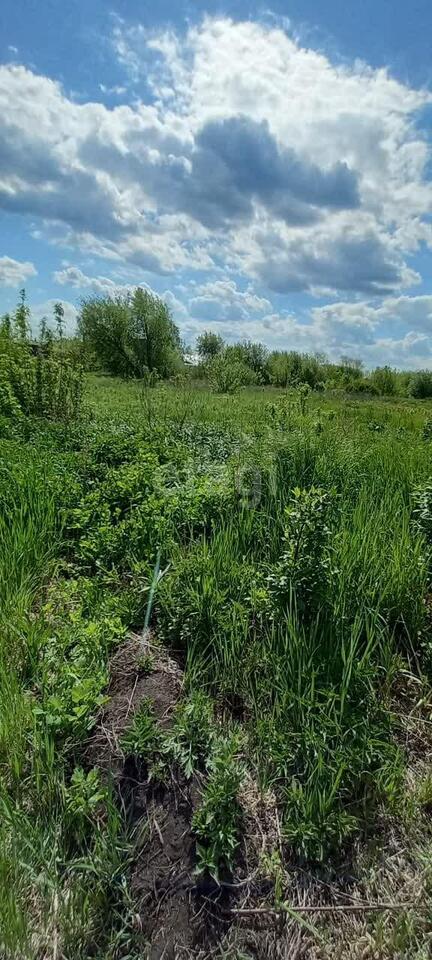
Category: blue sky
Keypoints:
(265, 169)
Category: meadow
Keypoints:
(215, 666)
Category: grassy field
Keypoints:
(265, 746)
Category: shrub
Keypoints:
(385, 381)
(363, 386)
(227, 376)
(37, 385)
(304, 566)
(252, 355)
(291, 368)
(420, 386)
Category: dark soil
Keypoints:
(128, 687)
(162, 881)
(179, 915)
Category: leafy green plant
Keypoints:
(303, 394)
(191, 738)
(422, 508)
(305, 564)
(85, 799)
(143, 738)
(36, 385)
(132, 335)
(420, 385)
(217, 819)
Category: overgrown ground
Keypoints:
(188, 787)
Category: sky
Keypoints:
(266, 169)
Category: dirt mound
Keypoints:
(130, 684)
(161, 882)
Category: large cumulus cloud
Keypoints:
(249, 152)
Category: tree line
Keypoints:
(133, 335)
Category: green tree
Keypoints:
(21, 316)
(209, 345)
(131, 334)
(155, 337)
(289, 368)
(252, 355)
(59, 319)
(5, 325)
(45, 337)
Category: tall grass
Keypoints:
(307, 636)
(29, 528)
(294, 584)
(55, 883)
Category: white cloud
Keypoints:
(105, 286)
(13, 273)
(255, 152)
(398, 330)
(117, 90)
(74, 277)
(221, 299)
(396, 312)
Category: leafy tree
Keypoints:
(284, 367)
(252, 355)
(21, 316)
(46, 338)
(345, 375)
(5, 325)
(156, 339)
(209, 345)
(59, 319)
(352, 364)
(131, 334)
(289, 368)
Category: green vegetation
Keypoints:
(33, 380)
(131, 335)
(294, 533)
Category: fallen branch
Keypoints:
(337, 908)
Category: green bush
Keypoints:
(305, 565)
(385, 381)
(420, 385)
(227, 376)
(291, 368)
(37, 385)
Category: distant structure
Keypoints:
(191, 359)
